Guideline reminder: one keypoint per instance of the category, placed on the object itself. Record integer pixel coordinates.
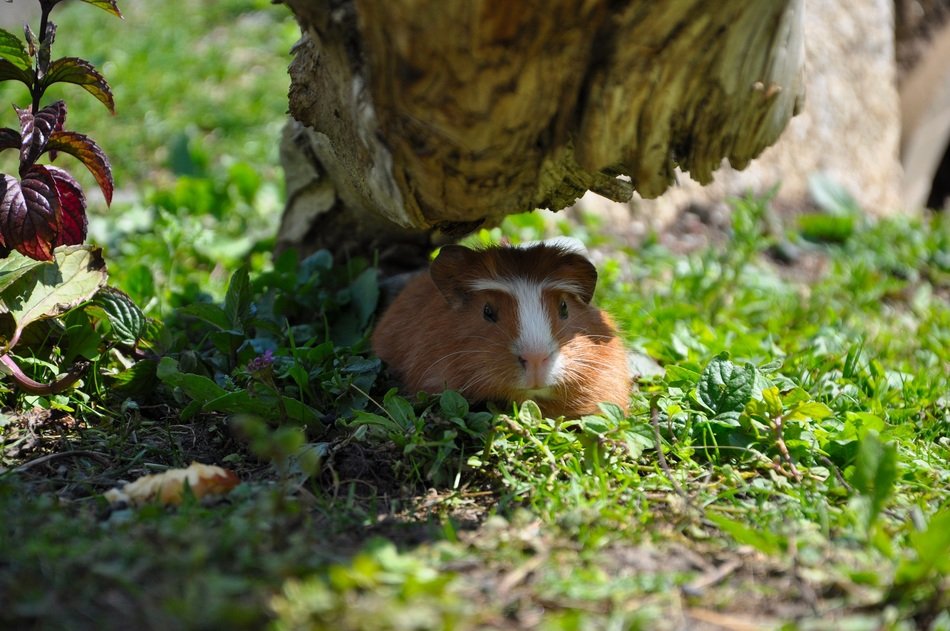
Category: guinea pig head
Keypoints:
(520, 312)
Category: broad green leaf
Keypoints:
(237, 301)
(197, 387)
(109, 6)
(48, 290)
(639, 438)
(399, 409)
(725, 387)
(677, 374)
(612, 412)
(9, 72)
(813, 410)
(453, 405)
(83, 339)
(529, 414)
(11, 269)
(595, 425)
(13, 50)
(88, 152)
(212, 314)
(82, 73)
(127, 320)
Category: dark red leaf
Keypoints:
(81, 73)
(9, 139)
(8, 71)
(35, 130)
(72, 203)
(30, 213)
(88, 152)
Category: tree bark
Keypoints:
(417, 121)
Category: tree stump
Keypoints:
(417, 121)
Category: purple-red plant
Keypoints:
(45, 207)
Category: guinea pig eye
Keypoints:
(562, 309)
(489, 313)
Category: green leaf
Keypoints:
(82, 338)
(875, 471)
(453, 405)
(237, 301)
(109, 6)
(932, 547)
(773, 402)
(725, 387)
(13, 51)
(12, 268)
(88, 152)
(197, 387)
(364, 291)
(677, 374)
(762, 540)
(242, 402)
(399, 409)
(50, 289)
(9, 72)
(825, 228)
(127, 320)
(812, 410)
(212, 314)
(82, 73)
(638, 439)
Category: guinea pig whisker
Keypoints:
(449, 355)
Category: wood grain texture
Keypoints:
(441, 116)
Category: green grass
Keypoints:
(788, 468)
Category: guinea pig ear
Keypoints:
(450, 271)
(579, 274)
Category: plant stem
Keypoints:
(35, 89)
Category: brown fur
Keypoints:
(435, 336)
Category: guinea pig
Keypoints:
(506, 324)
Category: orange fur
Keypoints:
(435, 336)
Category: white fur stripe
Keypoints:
(509, 285)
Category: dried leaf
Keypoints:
(168, 487)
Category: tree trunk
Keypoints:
(417, 121)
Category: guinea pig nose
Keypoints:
(533, 359)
